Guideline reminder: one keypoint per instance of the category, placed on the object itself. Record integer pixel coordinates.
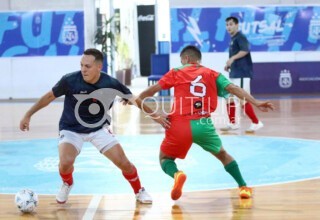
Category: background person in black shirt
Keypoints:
(239, 66)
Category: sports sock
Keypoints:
(231, 108)
(169, 167)
(67, 177)
(133, 179)
(233, 169)
(248, 109)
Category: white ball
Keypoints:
(26, 200)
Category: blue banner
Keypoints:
(286, 78)
(47, 33)
(274, 28)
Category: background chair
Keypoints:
(159, 66)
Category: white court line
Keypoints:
(92, 208)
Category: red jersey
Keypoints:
(195, 90)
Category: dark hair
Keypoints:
(98, 55)
(234, 19)
(191, 51)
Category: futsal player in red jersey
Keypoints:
(196, 91)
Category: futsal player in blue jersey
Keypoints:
(240, 68)
(89, 94)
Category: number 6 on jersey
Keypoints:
(196, 83)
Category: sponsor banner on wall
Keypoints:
(146, 32)
(41, 33)
(285, 78)
(272, 28)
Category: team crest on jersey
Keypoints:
(285, 79)
(197, 105)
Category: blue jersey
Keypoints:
(86, 105)
(243, 67)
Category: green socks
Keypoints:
(169, 167)
(233, 169)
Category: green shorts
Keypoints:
(205, 135)
(182, 133)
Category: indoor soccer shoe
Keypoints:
(179, 179)
(63, 194)
(230, 127)
(254, 127)
(143, 197)
(245, 192)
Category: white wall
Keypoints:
(31, 77)
(34, 76)
(33, 5)
(217, 61)
(6, 78)
(4, 5)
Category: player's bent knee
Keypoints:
(65, 167)
(125, 166)
(67, 159)
(221, 154)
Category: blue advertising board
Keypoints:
(41, 33)
(272, 28)
(286, 78)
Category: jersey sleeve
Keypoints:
(124, 91)
(243, 43)
(60, 88)
(222, 83)
(167, 81)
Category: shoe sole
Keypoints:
(253, 131)
(178, 185)
(234, 129)
(145, 202)
(245, 196)
(61, 202)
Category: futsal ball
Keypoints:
(26, 200)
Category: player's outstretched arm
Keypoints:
(150, 91)
(140, 103)
(154, 115)
(242, 94)
(41, 103)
